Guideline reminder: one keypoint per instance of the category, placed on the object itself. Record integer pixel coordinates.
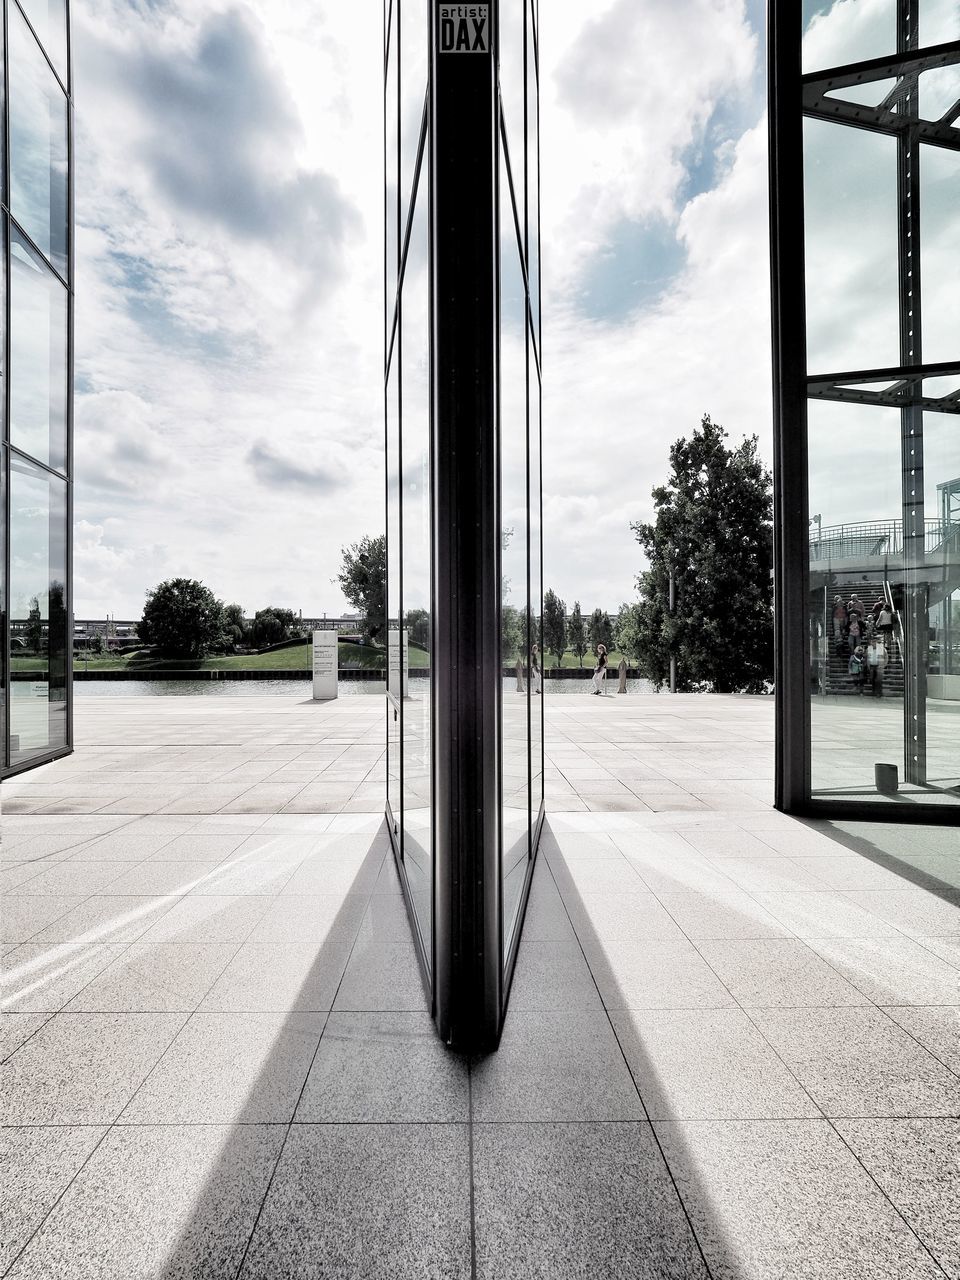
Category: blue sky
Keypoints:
(229, 411)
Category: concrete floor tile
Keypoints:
(555, 1066)
(913, 911)
(36, 1165)
(387, 1067)
(155, 978)
(937, 1029)
(656, 975)
(859, 1063)
(624, 917)
(83, 1068)
(576, 1200)
(707, 1064)
(228, 1068)
(159, 879)
(825, 915)
(209, 918)
(892, 971)
(917, 1164)
(552, 975)
(592, 874)
(776, 1198)
(70, 878)
(106, 919)
(778, 972)
(205, 847)
(386, 919)
(727, 914)
(177, 1203)
(43, 979)
(127, 845)
(17, 1028)
(270, 977)
(367, 1201)
(289, 918)
(381, 977)
(328, 872)
(23, 917)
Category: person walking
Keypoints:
(520, 685)
(536, 676)
(600, 674)
(876, 663)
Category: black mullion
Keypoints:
(64, 280)
(68, 461)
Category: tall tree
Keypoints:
(183, 618)
(626, 631)
(595, 629)
(363, 580)
(577, 633)
(713, 531)
(554, 625)
(235, 623)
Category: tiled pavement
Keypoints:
(733, 1046)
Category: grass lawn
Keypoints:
(295, 658)
(589, 660)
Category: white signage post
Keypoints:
(398, 658)
(324, 664)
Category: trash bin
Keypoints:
(886, 777)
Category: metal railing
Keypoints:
(875, 538)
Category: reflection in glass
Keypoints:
(511, 18)
(417, 596)
(939, 21)
(394, 684)
(38, 611)
(533, 179)
(847, 31)
(940, 236)
(38, 357)
(413, 89)
(38, 145)
(49, 21)
(536, 584)
(392, 160)
(515, 643)
(850, 203)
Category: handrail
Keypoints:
(876, 538)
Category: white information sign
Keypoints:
(398, 658)
(324, 664)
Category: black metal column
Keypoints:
(465, 529)
(914, 614)
(790, 520)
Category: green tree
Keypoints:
(97, 644)
(577, 633)
(511, 634)
(363, 578)
(235, 623)
(183, 619)
(554, 625)
(266, 628)
(626, 631)
(417, 622)
(35, 626)
(600, 630)
(713, 529)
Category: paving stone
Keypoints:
(367, 1201)
(572, 1200)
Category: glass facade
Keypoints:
(35, 565)
(865, 170)
(463, 512)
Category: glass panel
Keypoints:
(860, 651)
(850, 193)
(417, 598)
(414, 35)
(510, 67)
(536, 585)
(940, 235)
(49, 19)
(533, 182)
(836, 32)
(939, 21)
(38, 618)
(515, 641)
(391, 196)
(394, 688)
(941, 500)
(38, 145)
(38, 357)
